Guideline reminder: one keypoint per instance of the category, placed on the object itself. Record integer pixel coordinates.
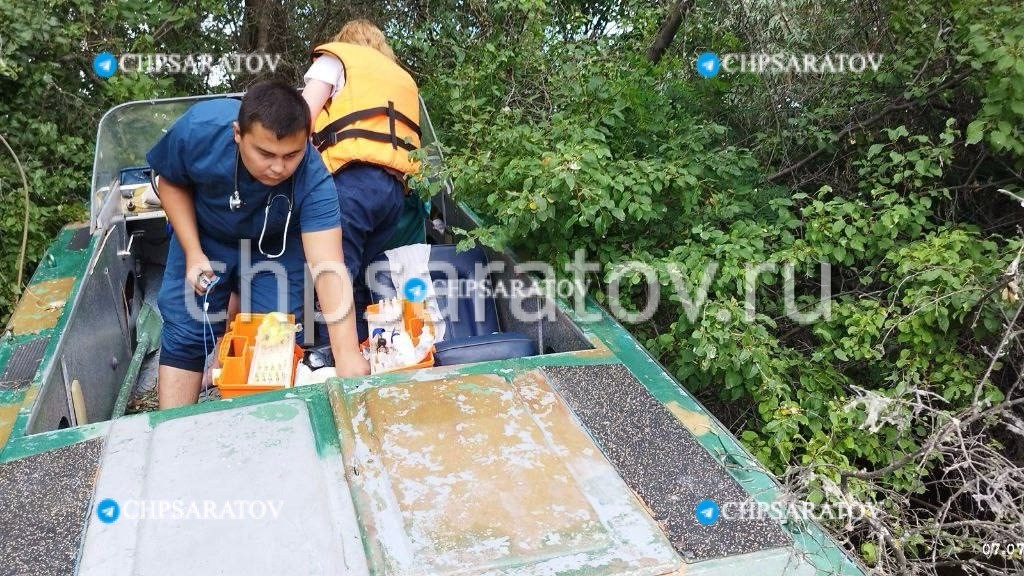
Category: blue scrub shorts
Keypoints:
(182, 339)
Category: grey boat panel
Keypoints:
(80, 239)
(96, 345)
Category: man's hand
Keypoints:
(351, 365)
(198, 272)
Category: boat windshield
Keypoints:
(125, 134)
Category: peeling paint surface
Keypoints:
(8, 415)
(58, 266)
(41, 306)
(697, 423)
(473, 474)
(220, 462)
(600, 350)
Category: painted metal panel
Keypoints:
(197, 495)
(80, 239)
(41, 306)
(473, 474)
(95, 344)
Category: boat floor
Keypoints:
(534, 466)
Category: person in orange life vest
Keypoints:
(364, 109)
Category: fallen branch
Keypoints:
(24, 227)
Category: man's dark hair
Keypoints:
(277, 106)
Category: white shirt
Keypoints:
(327, 68)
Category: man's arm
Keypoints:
(181, 213)
(333, 287)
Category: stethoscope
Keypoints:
(235, 202)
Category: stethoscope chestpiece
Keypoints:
(235, 200)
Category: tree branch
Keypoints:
(668, 30)
(855, 125)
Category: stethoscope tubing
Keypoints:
(235, 202)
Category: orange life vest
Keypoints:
(374, 117)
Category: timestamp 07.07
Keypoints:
(1006, 549)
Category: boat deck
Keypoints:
(590, 458)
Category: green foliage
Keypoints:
(996, 54)
(52, 101)
(584, 144)
(561, 133)
(580, 154)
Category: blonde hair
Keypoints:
(364, 33)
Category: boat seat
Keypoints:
(472, 332)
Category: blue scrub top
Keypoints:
(199, 151)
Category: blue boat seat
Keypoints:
(472, 332)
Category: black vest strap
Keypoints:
(330, 135)
(336, 137)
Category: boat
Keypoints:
(582, 457)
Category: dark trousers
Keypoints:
(371, 201)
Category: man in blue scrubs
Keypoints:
(250, 202)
